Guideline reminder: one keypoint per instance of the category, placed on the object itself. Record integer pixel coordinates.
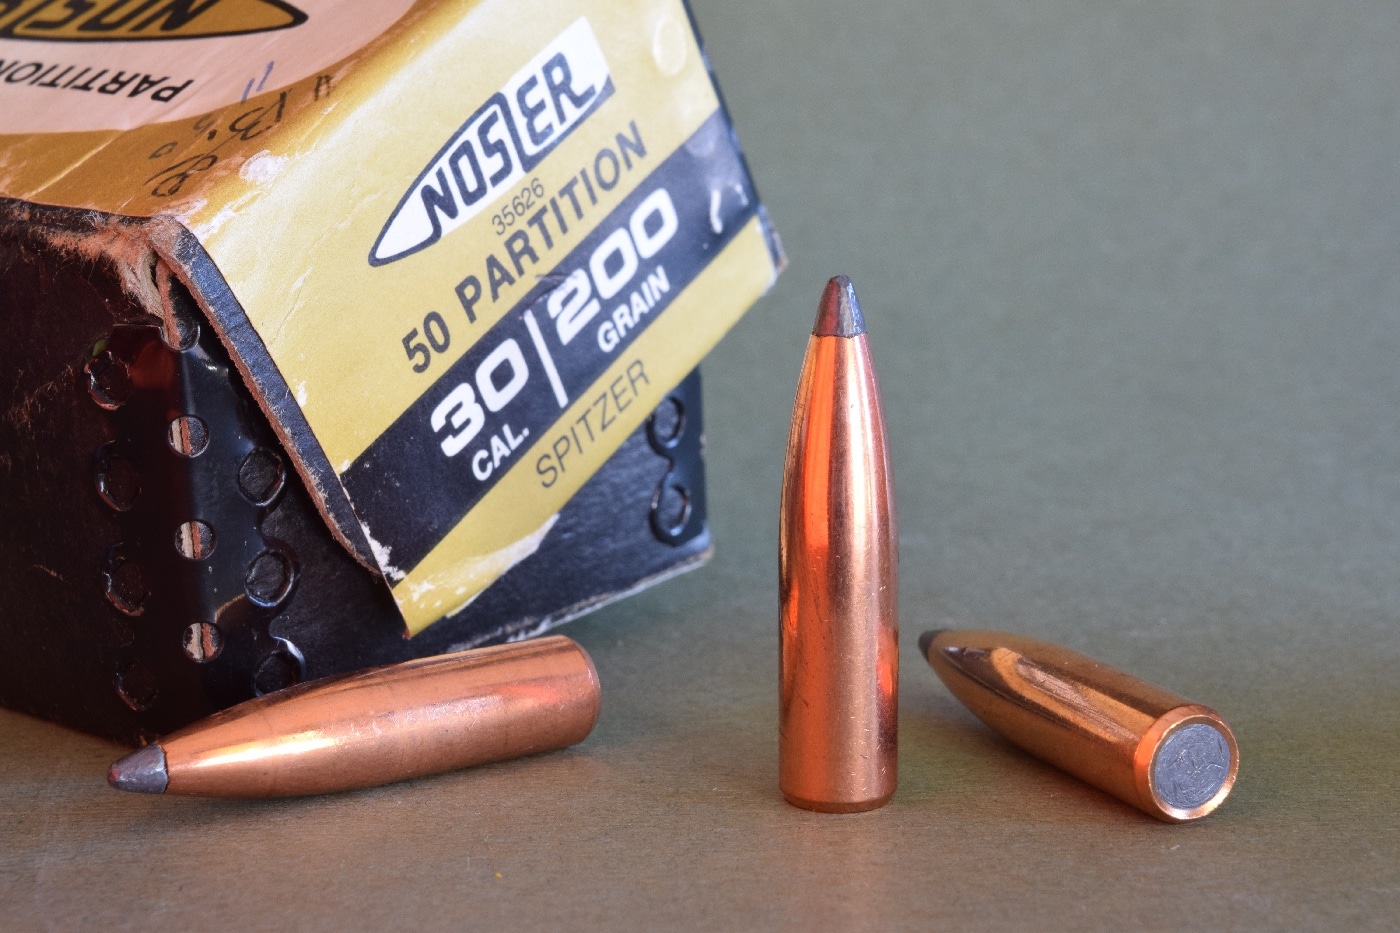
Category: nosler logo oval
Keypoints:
(81, 65)
(501, 141)
(66, 21)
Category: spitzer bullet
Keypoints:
(381, 725)
(837, 576)
(1169, 757)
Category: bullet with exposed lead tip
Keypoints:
(837, 557)
(381, 725)
(1159, 752)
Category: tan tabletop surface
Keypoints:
(1131, 276)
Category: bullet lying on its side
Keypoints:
(1150, 748)
(373, 727)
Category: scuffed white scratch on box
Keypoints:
(262, 168)
(382, 556)
(212, 226)
(258, 170)
(187, 210)
(497, 563)
(417, 591)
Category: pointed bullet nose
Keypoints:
(926, 639)
(839, 314)
(143, 771)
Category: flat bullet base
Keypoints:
(838, 806)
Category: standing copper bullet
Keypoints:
(1150, 748)
(837, 577)
(381, 725)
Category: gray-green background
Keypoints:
(1130, 271)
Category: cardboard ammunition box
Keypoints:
(338, 333)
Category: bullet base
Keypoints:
(838, 806)
(1185, 765)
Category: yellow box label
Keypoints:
(476, 249)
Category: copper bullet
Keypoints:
(380, 725)
(1165, 755)
(837, 577)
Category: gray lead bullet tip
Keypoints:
(839, 314)
(143, 771)
(926, 639)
